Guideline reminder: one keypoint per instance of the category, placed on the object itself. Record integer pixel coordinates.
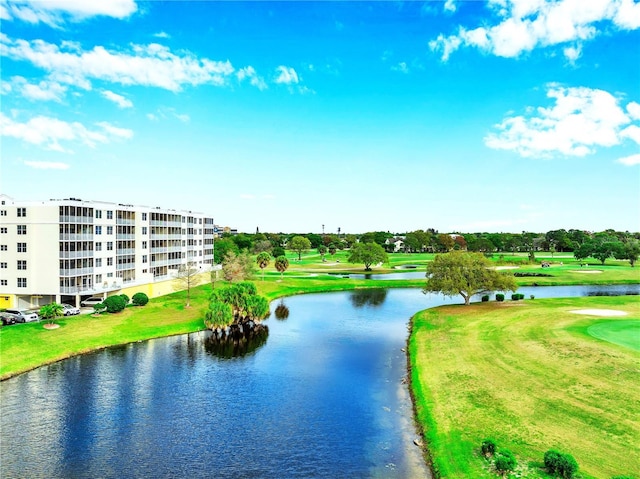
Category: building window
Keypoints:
(144, 245)
(109, 230)
(22, 229)
(4, 282)
(98, 278)
(98, 214)
(98, 263)
(22, 212)
(3, 212)
(3, 265)
(3, 247)
(22, 247)
(3, 230)
(109, 261)
(22, 282)
(109, 215)
(98, 230)
(110, 246)
(109, 275)
(144, 258)
(144, 230)
(22, 264)
(144, 217)
(99, 246)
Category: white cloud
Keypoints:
(119, 100)
(246, 196)
(634, 110)
(47, 165)
(162, 35)
(55, 12)
(580, 120)
(286, 75)
(401, 67)
(523, 25)
(630, 160)
(163, 113)
(572, 53)
(45, 90)
(250, 73)
(149, 65)
(450, 6)
(184, 118)
(50, 132)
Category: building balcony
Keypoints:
(76, 219)
(122, 267)
(76, 254)
(122, 236)
(75, 272)
(76, 237)
(125, 222)
(126, 251)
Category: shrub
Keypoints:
(560, 464)
(517, 296)
(140, 299)
(499, 297)
(98, 307)
(505, 461)
(532, 296)
(114, 304)
(126, 298)
(488, 447)
(485, 298)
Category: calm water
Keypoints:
(323, 397)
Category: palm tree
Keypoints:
(51, 311)
(282, 263)
(263, 260)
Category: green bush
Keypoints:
(488, 447)
(140, 299)
(517, 296)
(499, 297)
(560, 464)
(485, 298)
(114, 304)
(505, 461)
(532, 296)
(126, 298)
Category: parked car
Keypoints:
(24, 315)
(92, 301)
(69, 310)
(8, 318)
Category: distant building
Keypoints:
(70, 249)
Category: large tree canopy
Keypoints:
(367, 253)
(300, 245)
(465, 274)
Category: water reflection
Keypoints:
(368, 297)
(281, 311)
(233, 346)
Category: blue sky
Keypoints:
(471, 116)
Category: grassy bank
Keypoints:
(533, 376)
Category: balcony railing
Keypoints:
(76, 237)
(125, 251)
(75, 271)
(130, 266)
(123, 236)
(76, 254)
(125, 221)
(76, 219)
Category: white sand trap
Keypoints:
(498, 268)
(587, 271)
(599, 312)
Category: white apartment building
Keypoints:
(68, 250)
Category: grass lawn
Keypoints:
(533, 376)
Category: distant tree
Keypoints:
(51, 311)
(350, 239)
(332, 249)
(465, 274)
(314, 239)
(221, 247)
(505, 462)
(278, 251)
(243, 241)
(186, 278)
(445, 242)
(218, 315)
(460, 242)
(262, 245)
(584, 250)
(263, 260)
(605, 250)
(300, 245)
(281, 264)
(237, 267)
(629, 251)
(368, 254)
(322, 250)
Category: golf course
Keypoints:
(533, 375)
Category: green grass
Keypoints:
(530, 375)
(622, 333)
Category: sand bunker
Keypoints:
(589, 271)
(599, 312)
(498, 268)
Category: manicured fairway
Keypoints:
(529, 375)
(623, 333)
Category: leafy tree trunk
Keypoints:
(467, 298)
